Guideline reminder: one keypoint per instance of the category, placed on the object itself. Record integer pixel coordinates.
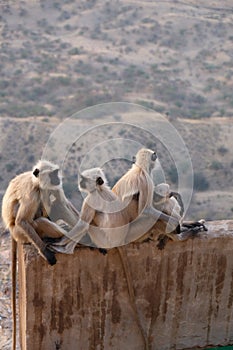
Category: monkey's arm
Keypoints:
(179, 200)
(48, 229)
(68, 243)
(24, 225)
(63, 209)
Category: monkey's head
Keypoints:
(92, 179)
(161, 192)
(47, 174)
(145, 159)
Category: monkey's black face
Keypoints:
(99, 181)
(54, 178)
(82, 182)
(154, 156)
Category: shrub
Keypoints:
(216, 165)
(74, 51)
(222, 150)
(200, 182)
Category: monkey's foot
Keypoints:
(103, 251)
(49, 256)
(162, 241)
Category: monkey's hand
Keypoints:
(48, 255)
(191, 229)
(67, 248)
(68, 243)
(194, 227)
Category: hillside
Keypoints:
(173, 56)
(208, 142)
(60, 56)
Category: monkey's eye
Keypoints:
(154, 156)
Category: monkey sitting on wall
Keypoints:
(167, 201)
(171, 203)
(26, 205)
(23, 211)
(137, 184)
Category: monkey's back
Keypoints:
(135, 182)
(20, 189)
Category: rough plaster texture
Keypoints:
(184, 296)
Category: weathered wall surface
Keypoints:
(184, 296)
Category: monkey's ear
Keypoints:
(99, 181)
(133, 159)
(36, 172)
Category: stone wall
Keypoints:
(183, 296)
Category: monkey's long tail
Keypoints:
(128, 276)
(13, 289)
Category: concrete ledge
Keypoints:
(184, 296)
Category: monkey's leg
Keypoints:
(46, 228)
(172, 222)
(31, 236)
(68, 243)
(162, 241)
(138, 228)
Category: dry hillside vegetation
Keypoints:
(59, 56)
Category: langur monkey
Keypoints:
(25, 209)
(168, 202)
(137, 184)
(171, 203)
